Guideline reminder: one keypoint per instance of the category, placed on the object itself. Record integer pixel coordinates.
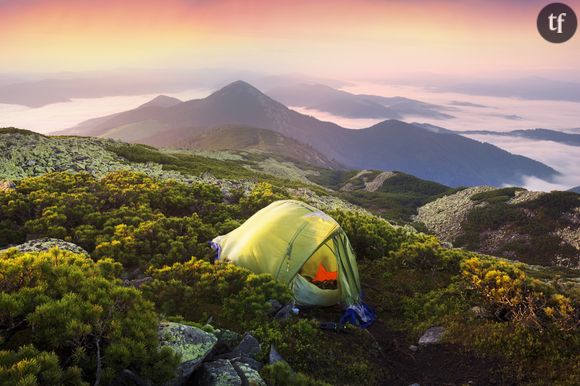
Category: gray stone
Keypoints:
(285, 312)
(274, 356)
(433, 335)
(193, 344)
(275, 304)
(220, 372)
(249, 346)
(228, 339)
(253, 363)
(45, 244)
(248, 375)
(413, 348)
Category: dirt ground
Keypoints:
(440, 364)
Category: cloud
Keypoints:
(563, 158)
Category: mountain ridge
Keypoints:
(390, 145)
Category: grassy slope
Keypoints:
(531, 226)
(411, 288)
(397, 199)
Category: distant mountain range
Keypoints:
(536, 134)
(575, 189)
(390, 145)
(341, 103)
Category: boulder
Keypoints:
(45, 244)
(248, 375)
(249, 346)
(253, 363)
(433, 335)
(227, 339)
(220, 372)
(193, 344)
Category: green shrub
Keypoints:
(67, 304)
(371, 237)
(262, 195)
(280, 374)
(233, 296)
(28, 366)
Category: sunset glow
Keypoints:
(332, 37)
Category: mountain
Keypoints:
(536, 134)
(260, 140)
(447, 158)
(161, 101)
(341, 103)
(575, 189)
(450, 159)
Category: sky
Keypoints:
(338, 38)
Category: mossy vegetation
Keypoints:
(530, 227)
(55, 304)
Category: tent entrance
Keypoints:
(321, 269)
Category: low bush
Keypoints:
(80, 319)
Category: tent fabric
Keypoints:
(295, 242)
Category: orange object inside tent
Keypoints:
(323, 275)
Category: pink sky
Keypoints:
(335, 38)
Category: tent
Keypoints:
(301, 246)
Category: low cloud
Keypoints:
(563, 158)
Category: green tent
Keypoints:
(298, 245)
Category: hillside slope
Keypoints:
(534, 227)
(260, 140)
(391, 145)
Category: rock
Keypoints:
(137, 283)
(248, 375)
(275, 356)
(217, 373)
(445, 215)
(479, 312)
(413, 348)
(275, 304)
(5, 186)
(194, 346)
(45, 244)
(433, 335)
(227, 339)
(285, 312)
(256, 365)
(249, 346)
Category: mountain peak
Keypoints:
(161, 101)
(237, 88)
